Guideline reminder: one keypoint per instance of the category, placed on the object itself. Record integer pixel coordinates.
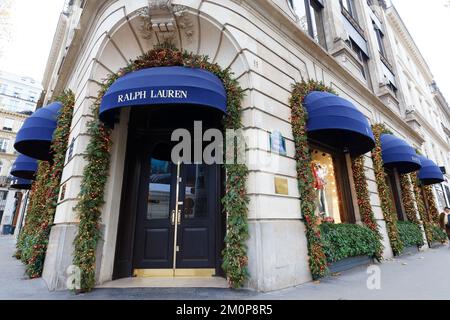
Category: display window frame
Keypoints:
(395, 192)
(342, 177)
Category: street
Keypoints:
(424, 275)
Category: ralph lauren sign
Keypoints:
(152, 94)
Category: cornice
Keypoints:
(424, 123)
(13, 114)
(55, 50)
(399, 26)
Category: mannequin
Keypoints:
(320, 172)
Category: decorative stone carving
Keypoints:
(163, 19)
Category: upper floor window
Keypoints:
(8, 124)
(17, 92)
(349, 6)
(3, 144)
(362, 57)
(1, 166)
(380, 39)
(310, 15)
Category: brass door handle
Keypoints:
(173, 214)
(172, 217)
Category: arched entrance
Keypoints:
(170, 220)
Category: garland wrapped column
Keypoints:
(386, 203)
(365, 208)
(33, 240)
(408, 198)
(427, 224)
(317, 258)
(431, 201)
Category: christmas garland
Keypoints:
(33, 239)
(431, 201)
(438, 235)
(28, 243)
(316, 247)
(317, 258)
(91, 197)
(363, 195)
(427, 224)
(408, 198)
(386, 203)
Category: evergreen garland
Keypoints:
(235, 201)
(431, 201)
(408, 198)
(386, 203)
(299, 117)
(33, 239)
(365, 208)
(29, 243)
(427, 224)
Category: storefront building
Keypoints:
(163, 218)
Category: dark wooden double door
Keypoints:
(176, 215)
(150, 234)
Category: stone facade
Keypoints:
(263, 44)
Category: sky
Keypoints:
(34, 25)
(429, 24)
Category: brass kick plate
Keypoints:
(168, 273)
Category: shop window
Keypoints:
(395, 194)
(333, 199)
(310, 14)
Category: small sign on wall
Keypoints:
(277, 143)
(281, 186)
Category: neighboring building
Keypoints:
(353, 46)
(18, 93)
(10, 123)
(5, 25)
(426, 109)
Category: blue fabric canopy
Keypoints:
(398, 154)
(337, 123)
(430, 172)
(21, 184)
(24, 167)
(35, 136)
(164, 86)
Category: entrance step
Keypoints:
(178, 282)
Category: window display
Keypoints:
(325, 184)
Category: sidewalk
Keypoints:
(424, 275)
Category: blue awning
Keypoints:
(21, 184)
(398, 154)
(24, 167)
(35, 136)
(430, 172)
(164, 86)
(336, 122)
